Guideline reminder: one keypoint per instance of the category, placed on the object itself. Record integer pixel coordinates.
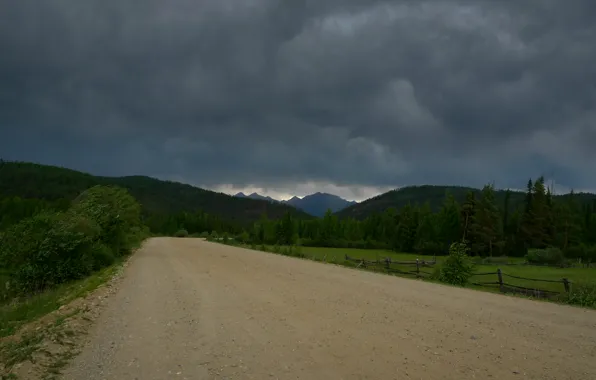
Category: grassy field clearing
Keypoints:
(528, 271)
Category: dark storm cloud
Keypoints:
(264, 92)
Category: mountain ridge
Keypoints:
(435, 196)
(32, 180)
(315, 204)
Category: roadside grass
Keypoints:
(21, 350)
(18, 346)
(528, 271)
(4, 277)
(20, 312)
(33, 346)
(337, 256)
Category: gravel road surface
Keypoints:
(190, 309)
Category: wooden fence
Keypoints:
(419, 270)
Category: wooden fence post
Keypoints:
(417, 268)
(566, 283)
(500, 276)
(387, 262)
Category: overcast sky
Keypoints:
(287, 97)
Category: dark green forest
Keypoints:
(492, 223)
(57, 224)
(27, 188)
(435, 196)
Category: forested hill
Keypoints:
(435, 196)
(59, 185)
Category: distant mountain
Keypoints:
(256, 196)
(317, 204)
(314, 204)
(434, 195)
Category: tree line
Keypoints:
(45, 242)
(488, 228)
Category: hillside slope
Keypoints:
(28, 180)
(435, 195)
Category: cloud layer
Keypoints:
(289, 95)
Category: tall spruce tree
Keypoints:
(489, 223)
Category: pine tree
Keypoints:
(426, 233)
(449, 222)
(568, 226)
(468, 216)
(488, 219)
(406, 229)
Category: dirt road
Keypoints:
(189, 309)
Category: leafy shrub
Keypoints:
(582, 294)
(457, 267)
(548, 256)
(50, 249)
(181, 233)
(102, 256)
(114, 210)
(204, 234)
(243, 238)
(436, 274)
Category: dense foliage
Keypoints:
(491, 228)
(51, 248)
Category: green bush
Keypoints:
(204, 234)
(102, 256)
(52, 248)
(582, 294)
(181, 233)
(436, 273)
(457, 267)
(548, 256)
(243, 238)
(116, 213)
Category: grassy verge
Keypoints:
(16, 314)
(577, 276)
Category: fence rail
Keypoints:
(389, 266)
